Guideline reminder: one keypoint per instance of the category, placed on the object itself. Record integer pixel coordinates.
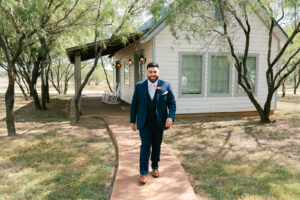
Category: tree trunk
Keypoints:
(47, 85)
(295, 83)
(283, 89)
(9, 102)
(65, 88)
(32, 86)
(47, 91)
(266, 115)
(21, 87)
(298, 83)
(77, 108)
(106, 77)
(33, 92)
(43, 89)
(23, 91)
(25, 84)
(56, 87)
(66, 82)
(82, 85)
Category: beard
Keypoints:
(152, 77)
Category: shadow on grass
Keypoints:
(63, 160)
(57, 110)
(239, 157)
(235, 177)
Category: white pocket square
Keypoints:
(166, 92)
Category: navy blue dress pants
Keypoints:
(151, 136)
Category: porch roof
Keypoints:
(87, 51)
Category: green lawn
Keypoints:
(239, 158)
(53, 158)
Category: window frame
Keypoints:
(236, 94)
(188, 53)
(229, 94)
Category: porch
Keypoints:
(108, 47)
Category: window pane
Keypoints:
(219, 77)
(191, 77)
(218, 15)
(251, 74)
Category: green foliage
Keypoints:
(294, 17)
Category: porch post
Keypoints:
(78, 75)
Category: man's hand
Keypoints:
(169, 122)
(132, 125)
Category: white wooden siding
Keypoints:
(126, 91)
(167, 56)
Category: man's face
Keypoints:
(153, 73)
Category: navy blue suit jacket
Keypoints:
(138, 108)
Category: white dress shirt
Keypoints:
(152, 88)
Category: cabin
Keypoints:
(204, 80)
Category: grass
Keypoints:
(53, 158)
(239, 158)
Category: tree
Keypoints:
(24, 24)
(12, 37)
(58, 18)
(113, 21)
(106, 75)
(293, 17)
(196, 19)
(61, 72)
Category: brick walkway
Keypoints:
(172, 183)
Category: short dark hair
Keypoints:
(152, 64)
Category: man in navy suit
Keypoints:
(150, 101)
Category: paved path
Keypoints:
(172, 183)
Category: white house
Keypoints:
(203, 80)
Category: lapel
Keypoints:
(145, 88)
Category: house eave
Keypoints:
(154, 31)
(87, 51)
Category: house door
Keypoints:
(139, 69)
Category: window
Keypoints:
(126, 73)
(218, 14)
(219, 75)
(191, 74)
(251, 74)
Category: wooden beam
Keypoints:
(77, 77)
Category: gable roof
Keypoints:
(155, 27)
